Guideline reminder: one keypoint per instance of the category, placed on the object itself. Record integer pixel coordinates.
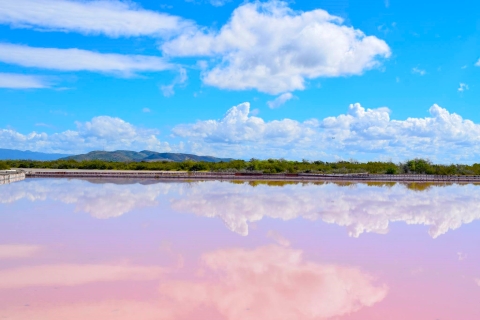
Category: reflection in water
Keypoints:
(73, 275)
(274, 282)
(117, 310)
(359, 207)
(55, 265)
(101, 200)
(269, 282)
(16, 251)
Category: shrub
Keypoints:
(391, 171)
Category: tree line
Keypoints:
(414, 166)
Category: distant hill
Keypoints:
(10, 154)
(148, 156)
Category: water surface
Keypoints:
(123, 249)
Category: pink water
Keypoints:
(78, 249)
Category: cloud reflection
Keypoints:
(73, 274)
(269, 282)
(17, 251)
(101, 200)
(358, 207)
(274, 282)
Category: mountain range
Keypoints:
(118, 156)
(10, 154)
(147, 156)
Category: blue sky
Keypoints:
(299, 79)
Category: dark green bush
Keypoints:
(391, 170)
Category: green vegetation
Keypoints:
(4, 165)
(415, 166)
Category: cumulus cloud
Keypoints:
(238, 127)
(21, 81)
(80, 60)
(280, 100)
(269, 47)
(111, 18)
(101, 132)
(363, 133)
(274, 282)
(359, 208)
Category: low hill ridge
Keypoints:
(145, 155)
(11, 154)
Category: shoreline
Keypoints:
(185, 175)
(10, 176)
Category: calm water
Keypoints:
(80, 249)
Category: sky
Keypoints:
(317, 80)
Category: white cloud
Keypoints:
(360, 208)
(463, 87)
(169, 90)
(363, 133)
(419, 71)
(477, 281)
(280, 100)
(111, 18)
(238, 127)
(21, 81)
(269, 47)
(101, 132)
(80, 60)
(146, 110)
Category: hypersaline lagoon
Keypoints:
(144, 249)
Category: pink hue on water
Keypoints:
(79, 249)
